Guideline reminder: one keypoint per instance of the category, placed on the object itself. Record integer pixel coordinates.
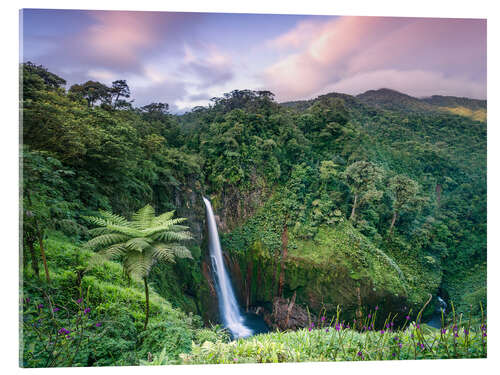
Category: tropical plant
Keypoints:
(139, 243)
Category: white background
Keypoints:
(9, 187)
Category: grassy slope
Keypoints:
(115, 302)
(344, 345)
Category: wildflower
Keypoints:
(407, 317)
(376, 308)
(63, 331)
(235, 359)
(400, 345)
(322, 318)
(382, 332)
(392, 324)
(98, 324)
(484, 334)
(326, 330)
(418, 326)
(337, 327)
(79, 300)
(40, 306)
(310, 329)
(369, 316)
(86, 311)
(466, 331)
(422, 345)
(456, 334)
(393, 354)
(412, 336)
(56, 309)
(27, 300)
(360, 353)
(443, 331)
(396, 338)
(369, 328)
(354, 321)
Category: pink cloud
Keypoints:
(325, 53)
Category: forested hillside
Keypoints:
(368, 202)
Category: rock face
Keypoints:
(287, 315)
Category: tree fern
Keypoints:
(138, 243)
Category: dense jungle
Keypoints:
(342, 219)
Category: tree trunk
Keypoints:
(42, 252)
(146, 290)
(34, 261)
(394, 217)
(353, 212)
(284, 254)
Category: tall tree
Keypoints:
(139, 243)
(362, 178)
(93, 92)
(405, 192)
(119, 89)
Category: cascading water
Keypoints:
(228, 306)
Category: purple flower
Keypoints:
(86, 311)
(326, 330)
(396, 338)
(312, 324)
(322, 318)
(376, 308)
(369, 316)
(400, 345)
(466, 331)
(98, 324)
(484, 334)
(412, 336)
(392, 324)
(40, 306)
(354, 321)
(27, 300)
(393, 354)
(63, 331)
(443, 331)
(382, 332)
(56, 309)
(418, 326)
(360, 353)
(369, 328)
(407, 317)
(422, 345)
(79, 300)
(337, 327)
(235, 359)
(310, 329)
(456, 334)
(387, 325)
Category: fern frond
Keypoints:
(142, 219)
(167, 226)
(138, 264)
(114, 251)
(128, 231)
(163, 253)
(138, 244)
(106, 240)
(99, 231)
(161, 219)
(113, 218)
(181, 251)
(167, 236)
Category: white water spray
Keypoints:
(228, 306)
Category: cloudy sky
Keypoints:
(185, 59)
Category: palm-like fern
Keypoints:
(139, 243)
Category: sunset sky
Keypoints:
(185, 59)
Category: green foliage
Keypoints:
(309, 164)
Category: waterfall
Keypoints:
(228, 306)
